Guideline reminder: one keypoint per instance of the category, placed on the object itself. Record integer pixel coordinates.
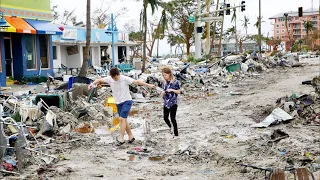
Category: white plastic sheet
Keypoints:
(276, 116)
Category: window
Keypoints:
(54, 49)
(278, 32)
(277, 25)
(278, 37)
(297, 18)
(282, 37)
(282, 25)
(29, 44)
(44, 50)
(282, 31)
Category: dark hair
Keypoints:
(114, 72)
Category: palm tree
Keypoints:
(144, 20)
(245, 23)
(308, 26)
(286, 19)
(257, 25)
(86, 55)
(234, 19)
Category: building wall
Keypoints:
(3, 63)
(97, 35)
(295, 27)
(30, 9)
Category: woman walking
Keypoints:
(171, 89)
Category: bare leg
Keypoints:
(123, 125)
(128, 129)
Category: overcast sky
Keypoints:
(269, 8)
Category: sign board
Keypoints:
(8, 108)
(123, 37)
(191, 19)
(70, 34)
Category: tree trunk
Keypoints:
(151, 48)
(144, 57)
(236, 34)
(188, 48)
(214, 31)
(240, 46)
(86, 56)
(158, 48)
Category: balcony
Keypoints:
(297, 33)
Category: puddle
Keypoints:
(137, 131)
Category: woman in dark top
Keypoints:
(171, 89)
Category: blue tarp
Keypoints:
(44, 27)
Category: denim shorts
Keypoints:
(124, 109)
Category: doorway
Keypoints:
(122, 54)
(8, 55)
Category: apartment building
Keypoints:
(296, 29)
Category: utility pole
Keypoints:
(198, 18)
(197, 35)
(208, 2)
(259, 31)
(221, 32)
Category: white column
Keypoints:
(128, 53)
(197, 35)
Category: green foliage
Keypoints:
(135, 36)
(305, 48)
(295, 47)
(194, 60)
(16, 117)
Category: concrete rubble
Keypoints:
(41, 129)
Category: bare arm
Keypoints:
(177, 91)
(96, 82)
(138, 82)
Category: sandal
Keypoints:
(119, 143)
(131, 141)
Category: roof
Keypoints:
(44, 27)
(21, 25)
(306, 12)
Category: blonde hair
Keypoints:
(168, 71)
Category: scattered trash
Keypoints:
(278, 115)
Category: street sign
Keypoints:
(191, 19)
(205, 19)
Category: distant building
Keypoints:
(68, 48)
(295, 25)
(230, 46)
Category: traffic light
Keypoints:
(199, 29)
(243, 6)
(220, 12)
(300, 11)
(228, 10)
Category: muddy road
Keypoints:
(214, 134)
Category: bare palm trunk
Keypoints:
(214, 30)
(144, 57)
(86, 56)
(236, 34)
(158, 48)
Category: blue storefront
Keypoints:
(26, 45)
